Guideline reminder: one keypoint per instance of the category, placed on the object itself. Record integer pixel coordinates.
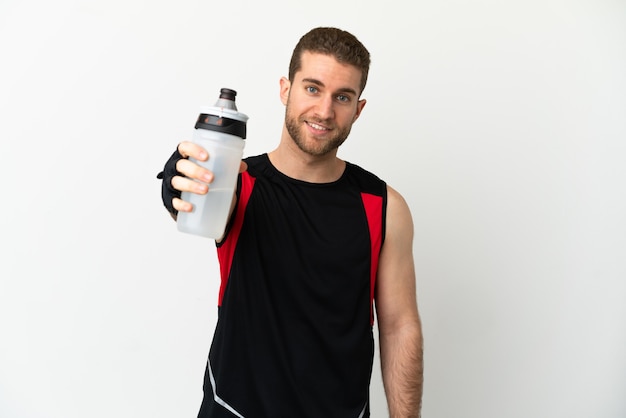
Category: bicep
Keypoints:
(396, 300)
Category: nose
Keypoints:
(324, 108)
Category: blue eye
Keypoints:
(311, 89)
(343, 98)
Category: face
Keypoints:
(321, 103)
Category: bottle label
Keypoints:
(221, 124)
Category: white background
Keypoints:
(503, 123)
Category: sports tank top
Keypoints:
(298, 268)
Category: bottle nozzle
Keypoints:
(228, 94)
(227, 99)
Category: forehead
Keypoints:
(330, 72)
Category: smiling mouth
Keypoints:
(317, 127)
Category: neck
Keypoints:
(290, 160)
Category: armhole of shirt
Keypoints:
(226, 248)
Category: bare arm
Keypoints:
(400, 331)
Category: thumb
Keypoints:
(243, 167)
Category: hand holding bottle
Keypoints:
(197, 179)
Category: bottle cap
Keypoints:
(223, 116)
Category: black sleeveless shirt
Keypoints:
(298, 269)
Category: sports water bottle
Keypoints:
(221, 131)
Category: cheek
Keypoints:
(356, 115)
(296, 107)
(347, 118)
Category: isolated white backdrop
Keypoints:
(503, 123)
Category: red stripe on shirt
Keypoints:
(374, 211)
(226, 251)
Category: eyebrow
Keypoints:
(319, 83)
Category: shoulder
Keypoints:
(398, 228)
(255, 159)
(258, 165)
(396, 199)
(367, 181)
(359, 171)
(399, 218)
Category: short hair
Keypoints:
(341, 45)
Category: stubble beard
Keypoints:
(295, 128)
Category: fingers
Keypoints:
(181, 206)
(194, 171)
(193, 150)
(185, 184)
(194, 178)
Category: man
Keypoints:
(315, 249)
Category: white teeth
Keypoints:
(313, 125)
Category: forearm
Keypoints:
(403, 370)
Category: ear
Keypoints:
(359, 108)
(285, 85)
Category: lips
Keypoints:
(317, 127)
